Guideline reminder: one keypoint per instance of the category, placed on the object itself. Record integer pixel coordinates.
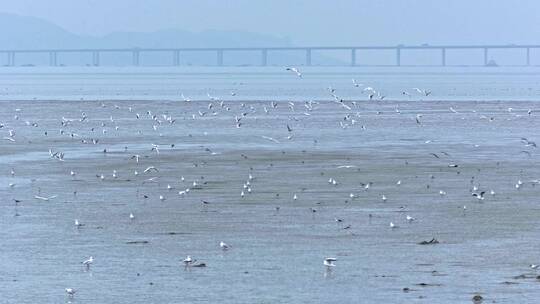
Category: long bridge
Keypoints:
(265, 52)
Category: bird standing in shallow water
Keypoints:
(329, 262)
(78, 224)
(188, 261)
(224, 246)
(88, 262)
(70, 292)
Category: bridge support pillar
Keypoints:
(135, 58)
(353, 57)
(219, 55)
(485, 56)
(398, 56)
(308, 57)
(95, 58)
(528, 57)
(52, 58)
(176, 57)
(11, 58)
(264, 57)
(443, 57)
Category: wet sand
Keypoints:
(276, 256)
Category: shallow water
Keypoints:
(276, 256)
(270, 83)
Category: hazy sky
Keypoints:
(327, 22)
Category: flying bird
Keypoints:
(295, 70)
(45, 198)
(150, 168)
(356, 84)
(479, 196)
(423, 92)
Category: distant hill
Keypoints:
(30, 32)
(18, 32)
(21, 32)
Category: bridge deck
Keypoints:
(265, 51)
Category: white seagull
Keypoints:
(88, 262)
(423, 92)
(356, 84)
(151, 168)
(479, 196)
(188, 261)
(43, 198)
(329, 262)
(224, 246)
(70, 292)
(184, 98)
(295, 70)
